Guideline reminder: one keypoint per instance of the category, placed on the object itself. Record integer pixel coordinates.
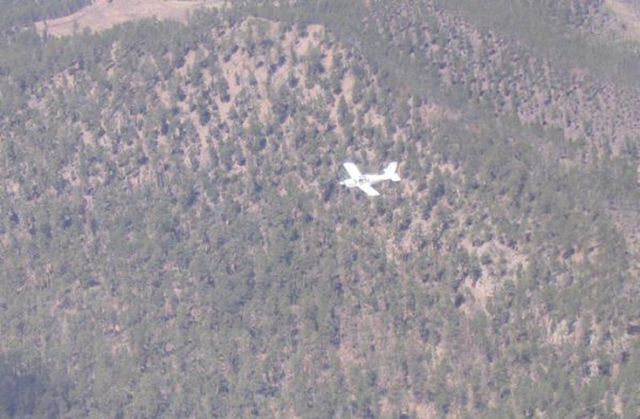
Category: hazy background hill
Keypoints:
(174, 241)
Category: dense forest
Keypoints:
(174, 241)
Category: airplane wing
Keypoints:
(352, 169)
(368, 189)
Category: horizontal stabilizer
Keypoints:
(390, 171)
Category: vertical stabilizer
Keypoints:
(390, 171)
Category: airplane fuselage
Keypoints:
(364, 179)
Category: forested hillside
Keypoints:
(174, 241)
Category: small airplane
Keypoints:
(364, 182)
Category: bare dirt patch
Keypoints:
(104, 14)
(629, 16)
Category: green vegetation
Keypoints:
(174, 242)
(557, 30)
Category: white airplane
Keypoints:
(364, 182)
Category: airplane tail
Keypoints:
(390, 171)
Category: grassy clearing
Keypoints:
(104, 14)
